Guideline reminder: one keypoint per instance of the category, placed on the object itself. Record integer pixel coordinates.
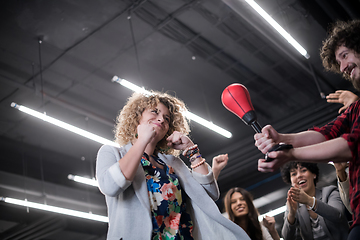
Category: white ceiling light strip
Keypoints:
(273, 212)
(278, 28)
(64, 125)
(54, 209)
(84, 180)
(187, 114)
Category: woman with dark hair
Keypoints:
(311, 213)
(241, 210)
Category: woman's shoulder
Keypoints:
(108, 148)
(113, 150)
(329, 190)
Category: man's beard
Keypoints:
(355, 81)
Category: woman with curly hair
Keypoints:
(311, 213)
(150, 192)
(241, 210)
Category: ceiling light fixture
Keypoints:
(278, 28)
(88, 181)
(64, 125)
(54, 209)
(187, 114)
(273, 212)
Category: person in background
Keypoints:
(150, 192)
(346, 98)
(343, 183)
(241, 210)
(337, 141)
(311, 213)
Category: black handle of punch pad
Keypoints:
(277, 147)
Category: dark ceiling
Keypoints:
(59, 57)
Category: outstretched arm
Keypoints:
(309, 146)
(269, 137)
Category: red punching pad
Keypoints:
(236, 99)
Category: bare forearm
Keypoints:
(336, 150)
(216, 173)
(302, 139)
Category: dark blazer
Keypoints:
(331, 213)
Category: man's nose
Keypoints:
(343, 66)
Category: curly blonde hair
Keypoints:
(130, 115)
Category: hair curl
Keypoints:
(129, 118)
(254, 228)
(340, 33)
(285, 170)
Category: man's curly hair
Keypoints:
(340, 33)
(130, 115)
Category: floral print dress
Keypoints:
(168, 207)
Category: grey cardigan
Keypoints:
(331, 213)
(128, 202)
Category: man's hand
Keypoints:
(342, 96)
(280, 158)
(266, 139)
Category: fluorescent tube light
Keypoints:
(273, 212)
(208, 124)
(88, 181)
(130, 85)
(278, 28)
(187, 114)
(64, 125)
(54, 209)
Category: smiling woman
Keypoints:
(149, 191)
(241, 210)
(311, 213)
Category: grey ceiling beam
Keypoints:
(59, 102)
(21, 187)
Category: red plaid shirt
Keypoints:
(347, 126)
